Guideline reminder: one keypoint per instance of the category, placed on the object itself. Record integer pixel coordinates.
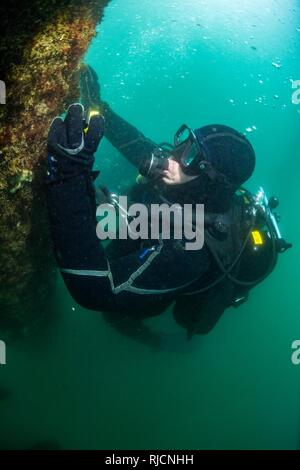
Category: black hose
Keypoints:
(256, 281)
(226, 272)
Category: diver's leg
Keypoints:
(199, 313)
(132, 326)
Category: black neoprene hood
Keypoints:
(229, 151)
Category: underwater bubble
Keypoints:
(260, 81)
(249, 129)
(276, 65)
(73, 309)
(231, 101)
(276, 97)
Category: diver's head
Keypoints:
(220, 152)
(216, 153)
(164, 166)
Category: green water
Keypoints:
(163, 63)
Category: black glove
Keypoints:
(71, 144)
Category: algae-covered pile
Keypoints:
(41, 45)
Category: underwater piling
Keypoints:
(42, 43)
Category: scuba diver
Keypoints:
(130, 280)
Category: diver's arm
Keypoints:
(126, 138)
(122, 135)
(138, 281)
(131, 282)
(79, 254)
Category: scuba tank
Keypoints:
(259, 239)
(264, 243)
(245, 243)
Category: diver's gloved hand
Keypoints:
(71, 145)
(90, 93)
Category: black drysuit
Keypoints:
(130, 280)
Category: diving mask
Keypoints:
(187, 151)
(190, 153)
(155, 166)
